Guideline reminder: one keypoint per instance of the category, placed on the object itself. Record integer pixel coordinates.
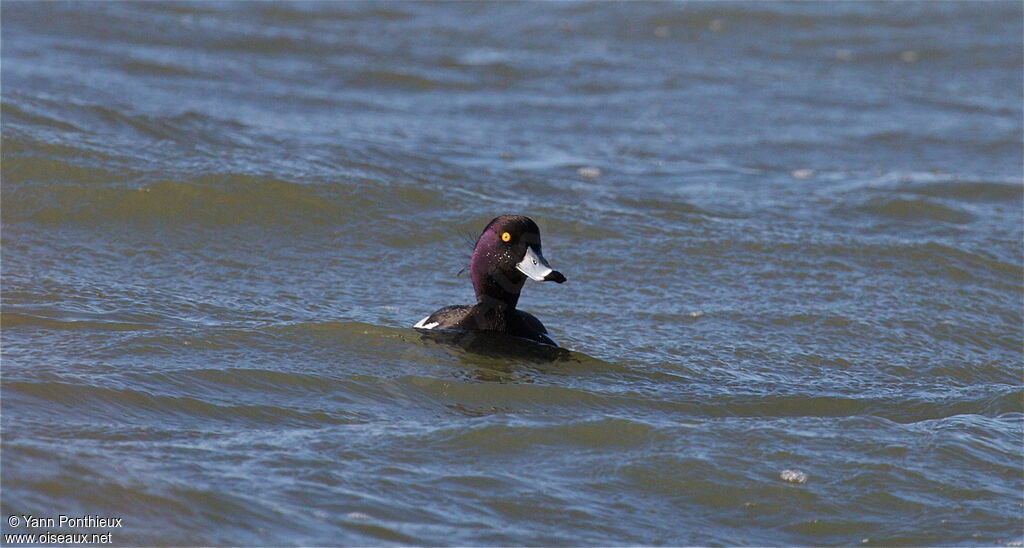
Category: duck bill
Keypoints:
(537, 268)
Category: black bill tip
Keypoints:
(554, 276)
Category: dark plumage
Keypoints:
(506, 253)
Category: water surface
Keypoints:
(792, 233)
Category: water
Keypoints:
(792, 234)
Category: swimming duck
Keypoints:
(506, 253)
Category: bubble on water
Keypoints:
(793, 476)
(482, 57)
(696, 314)
(909, 56)
(589, 172)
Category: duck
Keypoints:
(506, 253)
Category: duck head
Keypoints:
(507, 252)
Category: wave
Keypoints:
(237, 200)
(154, 68)
(915, 209)
(467, 384)
(36, 127)
(210, 200)
(970, 191)
(10, 320)
(926, 198)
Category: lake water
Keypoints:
(792, 234)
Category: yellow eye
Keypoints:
(506, 237)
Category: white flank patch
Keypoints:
(422, 324)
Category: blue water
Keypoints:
(792, 234)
